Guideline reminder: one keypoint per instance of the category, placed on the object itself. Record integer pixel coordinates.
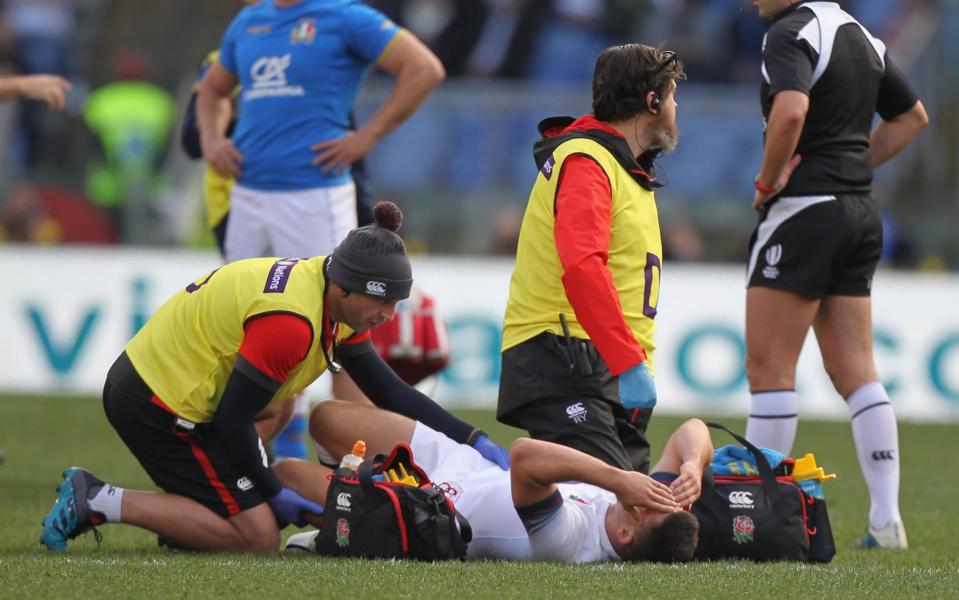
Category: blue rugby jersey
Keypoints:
(300, 68)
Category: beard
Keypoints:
(665, 136)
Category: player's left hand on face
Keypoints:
(339, 155)
(492, 451)
(688, 486)
(637, 388)
(289, 507)
(643, 491)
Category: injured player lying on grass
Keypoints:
(555, 503)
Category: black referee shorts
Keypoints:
(817, 246)
(557, 398)
(180, 457)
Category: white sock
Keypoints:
(773, 417)
(877, 446)
(108, 501)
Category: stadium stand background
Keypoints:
(511, 62)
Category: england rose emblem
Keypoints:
(743, 529)
(342, 533)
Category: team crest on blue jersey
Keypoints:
(304, 32)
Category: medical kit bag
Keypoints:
(765, 516)
(389, 508)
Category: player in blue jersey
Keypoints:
(300, 64)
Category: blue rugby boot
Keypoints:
(71, 514)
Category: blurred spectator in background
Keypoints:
(40, 34)
(24, 220)
(52, 215)
(698, 30)
(49, 89)
(554, 41)
(507, 221)
(682, 241)
(131, 120)
(746, 33)
(450, 28)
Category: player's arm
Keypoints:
(417, 71)
(687, 453)
(537, 467)
(386, 390)
(583, 210)
(788, 63)
(783, 128)
(272, 346)
(903, 115)
(889, 138)
(50, 89)
(213, 114)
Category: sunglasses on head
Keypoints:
(669, 58)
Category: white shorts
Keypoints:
(298, 224)
(442, 458)
(479, 489)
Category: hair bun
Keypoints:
(388, 215)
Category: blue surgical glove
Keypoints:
(288, 507)
(492, 451)
(637, 388)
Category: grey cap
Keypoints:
(372, 260)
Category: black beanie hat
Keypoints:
(372, 260)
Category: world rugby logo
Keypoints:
(740, 499)
(773, 255)
(376, 288)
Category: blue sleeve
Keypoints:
(368, 32)
(228, 45)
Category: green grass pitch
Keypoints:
(41, 436)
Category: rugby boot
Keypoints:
(892, 535)
(305, 541)
(71, 514)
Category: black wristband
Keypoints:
(474, 435)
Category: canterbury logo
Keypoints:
(774, 254)
(883, 455)
(741, 499)
(376, 288)
(343, 501)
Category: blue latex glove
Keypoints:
(492, 451)
(637, 388)
(288, 507)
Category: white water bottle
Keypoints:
(353, 460)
